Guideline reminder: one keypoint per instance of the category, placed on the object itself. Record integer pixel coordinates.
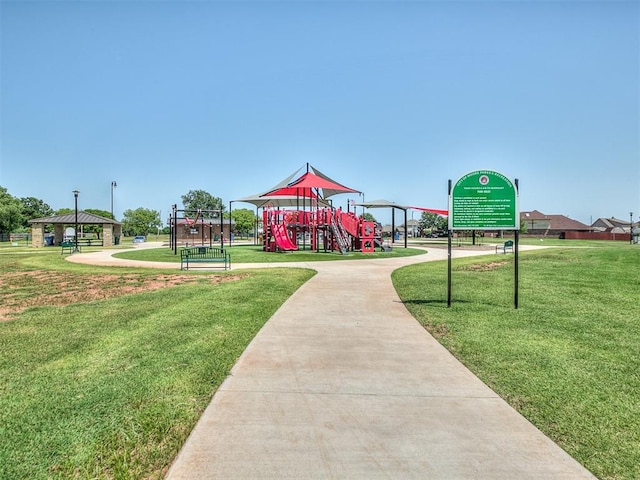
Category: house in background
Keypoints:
(413, 227)
(612, 225)
(538, 223)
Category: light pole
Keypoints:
(113, 185)
(413, 227)
(630, 228)
(75, 247)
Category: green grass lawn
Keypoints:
(111, 388)
(255, 254)
(568, 359)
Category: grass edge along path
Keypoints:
(112, 388)
(255, 254)
(568, 359)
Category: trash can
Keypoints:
(48, 241)
(117, 240)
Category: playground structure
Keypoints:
(327, 229)
(321, 225)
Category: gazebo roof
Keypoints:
(70, 218)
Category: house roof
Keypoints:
(560, 222)
(70, 218)
(533, 215)
(556, 222)
(613, 222)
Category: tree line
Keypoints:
(16, 212)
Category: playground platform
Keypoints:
(342, 383)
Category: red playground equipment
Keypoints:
(327, 229)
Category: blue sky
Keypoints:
(389, 98)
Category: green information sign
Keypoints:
(483, 200)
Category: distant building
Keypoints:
(413, 227)
(538, 223)
(611, 225)
(203, 231)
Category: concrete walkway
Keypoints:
(343, 383)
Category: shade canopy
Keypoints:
(381, 204)
(297, 192)
(329, 187)
(291, 190)
(276, 201)
(444, 213)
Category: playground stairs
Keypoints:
(340, 235)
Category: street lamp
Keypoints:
(630, 228)
(413, 231)
(75, 196)
(113, 185)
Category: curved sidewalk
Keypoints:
(343, 383)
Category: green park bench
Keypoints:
(67, 247)
(207, 255)
(508, 245)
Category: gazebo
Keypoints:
(111, 229)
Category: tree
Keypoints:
(245, 220)
(34, 208)
(140, 221)
(97, 229)
(100, 213)
(199, 199)
(432, 221)
(11, 217)
(369, 217)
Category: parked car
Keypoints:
(139, 239)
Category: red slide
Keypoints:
(282, 238)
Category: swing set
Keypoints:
(194, 230)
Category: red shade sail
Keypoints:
(311, 180)
(444, 213)
(292, 192)
(303, 186)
